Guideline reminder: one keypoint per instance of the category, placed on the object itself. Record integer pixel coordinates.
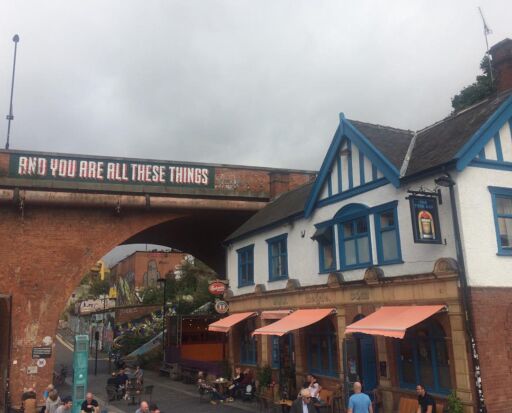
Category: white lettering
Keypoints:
(54, 166)
(22, 165)
(82, 169)
(111, 171)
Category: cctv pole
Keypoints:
(10, 116)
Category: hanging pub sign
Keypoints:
(217, 287)
(425, 219)
(221, 307)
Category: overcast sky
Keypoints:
(244, 82)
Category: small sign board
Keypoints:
(41, 352)
(221, 307)
(217, 287)
(425, 220)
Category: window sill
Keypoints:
(504, 253)
(399, 261)
(245, 285)
(284, 277)
(328, 271)
(356, 266)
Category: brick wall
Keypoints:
(492, 312)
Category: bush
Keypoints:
(264, 376)
(454, 404)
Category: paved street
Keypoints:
(171, 396)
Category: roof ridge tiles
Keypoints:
(382, 126)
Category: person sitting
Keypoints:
(52, 402)
(234, 388)
(28, 401)
(304, 403)
(204, 387)
(314, 388)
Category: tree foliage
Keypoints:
(477, 91)
(186, 291)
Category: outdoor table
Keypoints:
(221, 384)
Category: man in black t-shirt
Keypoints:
(426, 402)
(90, 405)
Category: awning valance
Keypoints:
(393, 321)
(224, 324)
(274, 314)
(294, 321)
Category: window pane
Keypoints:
(407, 361)
(313, 351)
(348, 229)
(324, 353)
(387, 219)
(363, 248)
(328, 259)
(389, 245)
(504, 205)
(505, 225)
(275, 249)
(425, 363)
(350, 252)
(443, 365)
(361, 226)
(276, 266)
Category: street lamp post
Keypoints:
(10, 116)
(447, 181)
(164, 308)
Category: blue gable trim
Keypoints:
(346, 129)
(487, 131)
(484, 163)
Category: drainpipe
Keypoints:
(447, 181)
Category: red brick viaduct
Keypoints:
(60, 213)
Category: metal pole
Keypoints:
(468, 314)
(10, 116)
(163, 317)
(96, 359)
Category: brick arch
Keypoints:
(43, 256)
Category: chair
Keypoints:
(148, 392)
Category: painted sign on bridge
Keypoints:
(110, 171)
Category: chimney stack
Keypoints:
(502, 64)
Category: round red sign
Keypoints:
(217, 288)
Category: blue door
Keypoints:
(368, 361)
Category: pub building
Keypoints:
(385, 268)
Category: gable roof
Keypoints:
(443, 142)
(286, 206)
(391, 142)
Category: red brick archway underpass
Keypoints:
(53, 230)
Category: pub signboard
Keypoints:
(425, 219)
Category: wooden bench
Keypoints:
(325, 397)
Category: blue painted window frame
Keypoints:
(274, 343)
(321, 259)
(245, 266)
(283, 240)
(325, 332)
(501, 193)
(377, 211)
(248, 349)
(436, 335)
(352, 217)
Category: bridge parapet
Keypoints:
(41, 171)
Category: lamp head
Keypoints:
(16, 38)
(445, 181)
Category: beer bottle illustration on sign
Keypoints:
(426, 225)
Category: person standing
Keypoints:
(426, 403)
(303, 403)
(52, 402)
(144, 407)
(359, 402)
(89, 405)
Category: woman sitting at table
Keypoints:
(203, 386)
(314, 388)
(234, 388)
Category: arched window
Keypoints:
(322, 349)
(423, 358)
(354, 235)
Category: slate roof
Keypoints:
(434, 146)
(285, 206)
(437, 145)
(391, 142)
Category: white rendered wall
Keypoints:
(303, 260)
(483, 266)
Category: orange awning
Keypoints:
(393, 321)
(274, 314)
(224, 324)
(294, 321)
